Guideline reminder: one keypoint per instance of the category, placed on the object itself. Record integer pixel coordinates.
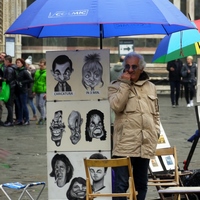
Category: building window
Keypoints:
(197, 10)
(184, 7)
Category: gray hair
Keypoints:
(142, 63)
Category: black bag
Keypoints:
(192, 180)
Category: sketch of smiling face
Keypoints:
(78, 190)
(62, 72)
(60, 173)
(92, 78)
(95, 127)
(57, 128)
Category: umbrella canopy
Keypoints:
(178, 45)
(197, 23)
(99, 18)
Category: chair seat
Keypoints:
(180, 190)
(16, 185)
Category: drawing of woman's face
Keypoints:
(78, 190)
(92, 78)
(97, 173)
(60, 173)
(95, 127)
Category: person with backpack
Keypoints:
(39, 90)
(10, 78)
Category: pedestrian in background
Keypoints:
(174, 67)
(23, 79)
(2, 68)
(189, 72)
(137, 125)
(10, 78)
(31, 69)
(39, 90)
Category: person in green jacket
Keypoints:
(39, 90)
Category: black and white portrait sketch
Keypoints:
(95, 125)
(57, 128)
(61, 71)
(92, 72)
(77, 189)
(62, 169)
(97, 174)
(74, 123)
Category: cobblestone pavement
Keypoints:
(27, 146)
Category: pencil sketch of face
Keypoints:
(95, 125)
(62, 169)
(62, 68)
(97, 174)
(92, 71)
(74, 123)
(57, 128)
(77, 189)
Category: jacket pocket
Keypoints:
(153, 104)
(131, 104)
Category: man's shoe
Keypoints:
(7, 124)
(26, 123)
(188, 105)
(19, 123)
(1, 123)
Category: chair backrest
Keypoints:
(171, 151)
(118, 162)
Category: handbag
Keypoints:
(5, 92)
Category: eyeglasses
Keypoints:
(127, 67)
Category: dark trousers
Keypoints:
(22, 109)
(189, 91)
(9, 106)
(175, 92)
(140, 173)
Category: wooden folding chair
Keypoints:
(118, 162)
(171, 180)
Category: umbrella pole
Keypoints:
(101, 36)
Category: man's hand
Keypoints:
(188, 71)
(171, 69)
(126, 76)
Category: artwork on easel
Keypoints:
(168, 162)
(77, 75)
(67, 179)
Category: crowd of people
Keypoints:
(26, 83)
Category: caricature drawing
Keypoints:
(62, 169)
(74, 123)
(92, 72)
(77, 189)
(95, 126)
(57, 128)
(97, 174)
(61, 71)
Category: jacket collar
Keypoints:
(142, 79)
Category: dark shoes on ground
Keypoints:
(7, 124)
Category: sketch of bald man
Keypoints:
(74, 123)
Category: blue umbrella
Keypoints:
(99, 18)
(178, 45)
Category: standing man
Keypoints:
(2, 68)
(39, 90)
(174, 67)
(137, 124)
(10, 78)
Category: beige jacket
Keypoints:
(137, 122)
